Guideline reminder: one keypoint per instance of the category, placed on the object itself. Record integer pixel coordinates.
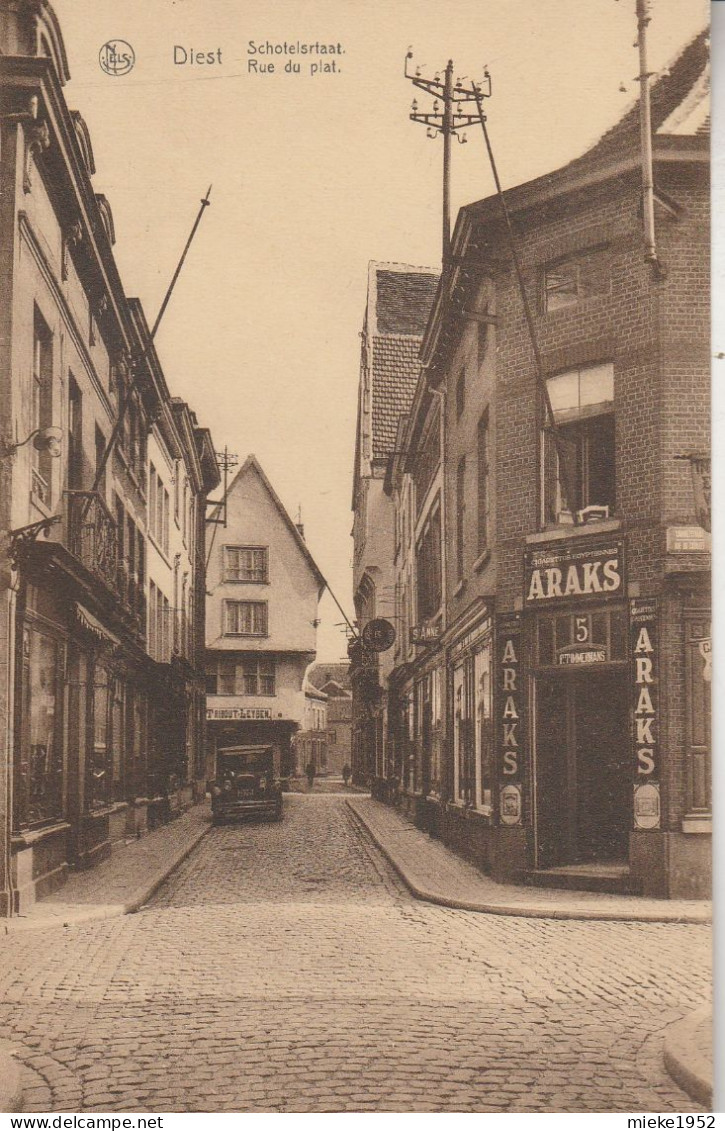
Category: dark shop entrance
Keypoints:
(583, 776)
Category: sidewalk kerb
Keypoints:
(684, 1062)
(100, 911)
(11, 1087)
(523, 910)
(137, 902)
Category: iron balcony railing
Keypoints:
(92, 535)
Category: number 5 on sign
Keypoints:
(581, 630)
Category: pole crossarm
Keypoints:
(446, 121)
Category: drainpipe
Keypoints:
(441, 394)
(645, 118)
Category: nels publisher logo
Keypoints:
(116, 57)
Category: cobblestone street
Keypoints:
(273, 973)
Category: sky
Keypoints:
(314, 175)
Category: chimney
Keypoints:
(301, 529)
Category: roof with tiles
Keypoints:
(401, 301)
(322, 674)
(677, 94)
(395, 375)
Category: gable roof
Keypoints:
(252, 465)
(686, 79)
(320, 675)
(681, 89)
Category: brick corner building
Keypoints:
(548, 711)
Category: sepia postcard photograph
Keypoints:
(355, 560)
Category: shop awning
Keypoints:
(94, 626)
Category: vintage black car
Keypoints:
(247, 783)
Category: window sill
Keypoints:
(482, 560)
(564, 533)
(38, 503)
(157, 546)
(30, 837)
(459, 588)
(243, 581)
(105, 811)
(469, 813)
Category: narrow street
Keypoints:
(284, 968)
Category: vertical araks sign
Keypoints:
(510, 720)
(644, 644)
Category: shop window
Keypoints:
(460, 394)
(118, 760)
(572, 280)
(428, 560)
(482, 690)
(583, 405)
(460, 735)
(40, 730)
(99, 762)
(246, 563)
(482, 336)
(483, 483)
(245, 618)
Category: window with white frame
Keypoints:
(246, 563)
(259, 675)
(583, 405)
(245, 618)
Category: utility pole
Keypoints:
(136, 362)
(227, 460)
(446, 120)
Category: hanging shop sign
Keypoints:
(704, 647)
(238, 713)
(644, 650)
(555, 575)
(425, 634)
(510, 720)
(378, 635)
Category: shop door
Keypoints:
(583, 781)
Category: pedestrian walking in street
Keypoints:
(310, 771)
(346, 772)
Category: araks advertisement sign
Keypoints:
(567, 573)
